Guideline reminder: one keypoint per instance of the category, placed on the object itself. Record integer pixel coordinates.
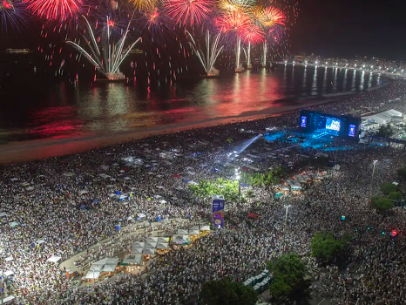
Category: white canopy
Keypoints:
(8, 299)
(162, 245)
(136, 250)
(204, 228)
(152, 240)
(150, 246)
(141, 215)
(54, 259)
(9, 259)
(182, 232)
(92, 275)
(180, 239)
(132, 259)
(163, 239)
(148, 251)
(194, 228)
(8, 273)
(105, 265)
(138, 244)
(194, 232)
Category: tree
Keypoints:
(325, 246)
(227, 292)
(387, 188)
(382, 204)
(395, 196)
(288, 275)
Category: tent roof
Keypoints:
(137, 250)
(204, 228)
(151, 239)
(92, 275)
(182, 232)
(54, 259)
(148, 251)
(162, 246)
(194, 232)
(163, 239)
(132, 259)
(138, 244)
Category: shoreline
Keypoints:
(17, 152)
(24, 151)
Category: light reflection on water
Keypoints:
(62, 111)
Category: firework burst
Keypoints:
(272, 16)
(105, 53)
(13, 16)
(232, 6)
(252, 34)
(55, 9)
(143, 5)
(188, 12)
(213, 50)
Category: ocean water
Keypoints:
(62, 110)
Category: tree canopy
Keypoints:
(382, 204)
(325, 246)
(288, 274)
(387, 188)
(227, 292)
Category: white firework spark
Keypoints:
(107, 57)
(213, 50)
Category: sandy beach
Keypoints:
(45, 148)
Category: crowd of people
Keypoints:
(42, 214)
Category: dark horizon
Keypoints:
(344, 28)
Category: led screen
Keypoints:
(303, 121)
(351, 131)
(333, 124)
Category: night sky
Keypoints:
(345, 28)
(330, 28)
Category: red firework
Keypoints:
(54, 9)
(188, 11)
(253, 34)
(236, 21)
(272, 16)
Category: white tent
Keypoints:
(3, 214)
(54, 259)
(132, 259)
(137, 250)
(180, 239)
(163, 239)
(8, 299)
(92, 275)
(105, 265)
(9, 259)
(148, 251)
(204, 228)
(151, 240)
(150, 246)
(194, 232)
(162, 245)
(182, 232)
(138, 244)
(141, 215)
(8, 273)
(194, 228)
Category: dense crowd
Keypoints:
(42, 201)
